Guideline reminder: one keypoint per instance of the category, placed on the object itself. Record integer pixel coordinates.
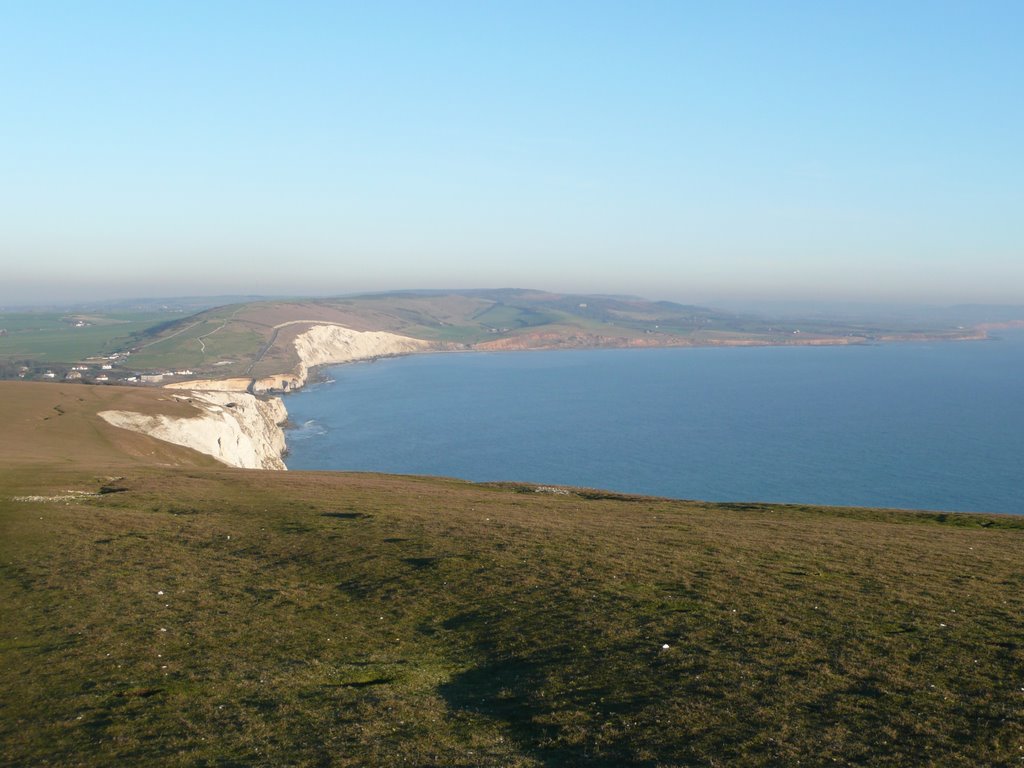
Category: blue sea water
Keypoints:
(918, 425)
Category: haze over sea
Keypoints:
(918, 425)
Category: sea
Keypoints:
(930, 425)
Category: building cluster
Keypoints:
(101, 370)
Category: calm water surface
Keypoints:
(936, 426)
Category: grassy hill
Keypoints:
(160, 609)
(254, 338)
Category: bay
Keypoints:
(914, 425)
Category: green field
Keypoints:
(197, 615)
(185, 351)
(53, 337)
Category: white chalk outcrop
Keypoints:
(320, 345)
(245, 431)
(335, 344)
(234, 427)
(212, 385)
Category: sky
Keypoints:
(692, 151)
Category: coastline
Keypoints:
(238, 421)
(241, 419)
(847, 426)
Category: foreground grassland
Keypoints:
(161, 610)
(244, 618)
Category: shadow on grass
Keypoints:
(505, 691)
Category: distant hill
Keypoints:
(256, 338)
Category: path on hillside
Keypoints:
(202, 344)
(170, 336)
(273, 338)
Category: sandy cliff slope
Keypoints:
(235, 428)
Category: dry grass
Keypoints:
(55, 425)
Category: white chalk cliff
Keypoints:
(335, 344)
(234, 427)
(320, 345)
(245, 431)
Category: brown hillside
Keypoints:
(56, 425)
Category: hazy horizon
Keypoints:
(807, 309)
(732, 153)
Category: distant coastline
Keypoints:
(334, 344)
(869, 425)
(326, 344)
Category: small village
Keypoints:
(110, 369)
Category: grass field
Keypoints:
(162, 610)
(53, 337)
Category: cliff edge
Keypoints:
(234, 427)
(335, 344)
(242, 430)
(319, 345)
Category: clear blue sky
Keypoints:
(683, 150)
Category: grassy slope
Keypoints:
(47, 426)
(255, 338)
(52, 337)
(350, 619)
(239, 333)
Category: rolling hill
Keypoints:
(256, 339)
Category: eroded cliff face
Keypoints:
(320, 345)
(335, 344)
(234, 427)
(241, 430)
